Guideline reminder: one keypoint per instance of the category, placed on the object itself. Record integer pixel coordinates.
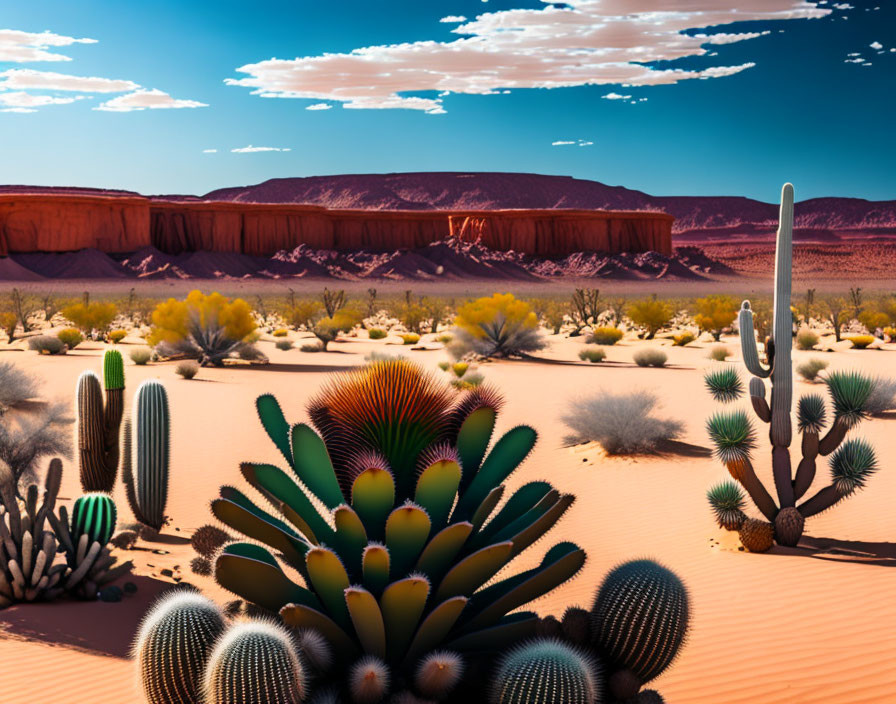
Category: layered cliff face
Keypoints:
(114, 224)
(56, 223)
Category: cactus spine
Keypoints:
(145, 470)
(173, 646)
(99, 423)
(640, 617)
(255, 663)
(546, 671)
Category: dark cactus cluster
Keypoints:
(633, 632)
(852, 461)
(33, 534)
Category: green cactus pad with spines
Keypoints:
(152, 429)
(546, 671)
(487, 507)
(255, 662)
(94, 514)
(402, 604)
(252, 573)
(329, 579)
(436, 489)
(524, 499)
(641, 614)
(472, 441)
(271, 416)
(373, 498)
(350, 538)
(113, 370)
(436, 626)
(474, 570)
(489, 605)
(367, 620)
(504, 458)
(313, 466)
(375, 567)
(263, 528)
(441, 550)
(304, 617)
(173, 645)
(407, 530)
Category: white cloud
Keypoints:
(20, 99)
(19, 110)
(585, 42)
(209, 151)
(453, 19)
(319, 106)
(615, 96)
(145, 99)
(843, 6)
(571, 142)
(876, 45)
(585, 144)
(29, 79)
(252, 150)
(562, 143)
(21, 47)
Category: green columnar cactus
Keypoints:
(94, 515)
(546, 671)
(849, 393)
(27, 549)
(145, 469)
(173, 646)
(397, 563)
(255, 662)
(641, 615)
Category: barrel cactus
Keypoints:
(733, 434)
(255, 662)
(173, 646)
(546, 671)
(397, 564)
(147, 456)
(94, 514)
(639, 643)
(99, 423)
(756, 535)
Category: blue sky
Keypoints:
(803, 91)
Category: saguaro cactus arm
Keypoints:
(748, 343)
(782, 331)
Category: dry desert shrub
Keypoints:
(650, 358)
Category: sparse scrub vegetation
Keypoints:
(882, 397)
(140, 355)
(410, 338)
(715, 313)
(810, 369)
(683, 338)
(46, 344)
(651, 314)
(91, 318)
(71, 337)
(806, 339)
(861, 342)
(283, 344)
(605, 336)
(650, 358)
(116, 336)
(497, 326)
(376, 333)
(719, 353)
(592, 354)
(187, 369)
(622, 422)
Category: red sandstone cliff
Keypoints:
(124, 223)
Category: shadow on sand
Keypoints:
(91, 626)
(855, 551)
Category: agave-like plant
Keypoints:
(727, 501)
(724, 384)
(386, 515)
(733, 434)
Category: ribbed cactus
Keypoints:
(255, 662)
(546, 671)
(27, 550)
(173, 646)
(145, 469)
(99, 424)
(640, 614)
(94, 514)
(849, 393)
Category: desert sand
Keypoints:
(809, 624)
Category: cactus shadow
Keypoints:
(682, 449)
(94, 627)
(852, 551)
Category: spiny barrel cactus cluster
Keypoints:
(633, 632)
(399, 565)
(99, 423)
(851, 461)
(33, 534)
(147, 454)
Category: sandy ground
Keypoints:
(811, 624)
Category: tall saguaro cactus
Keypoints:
(99, 424)
(733, 434)
(147, 454)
